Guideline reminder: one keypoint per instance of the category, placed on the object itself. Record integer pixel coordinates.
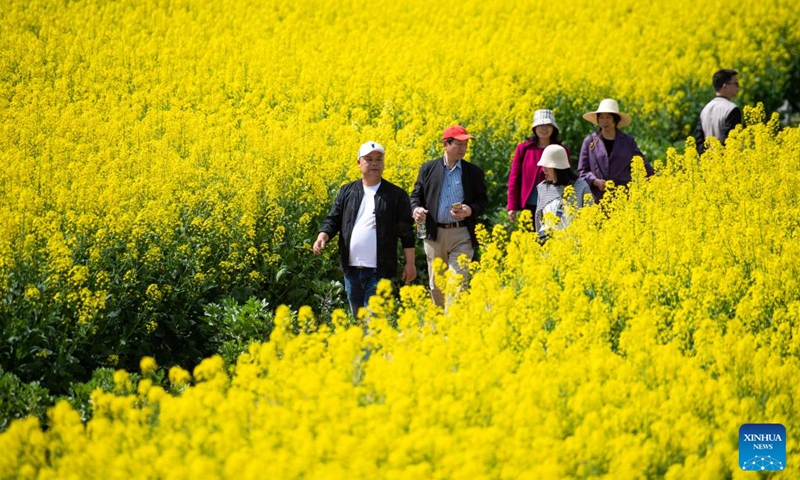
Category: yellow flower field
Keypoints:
(163, 155)
(630, 347)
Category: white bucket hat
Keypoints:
(544, 117)
(608, 106)
(554, 156)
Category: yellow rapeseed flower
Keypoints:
(148, 365)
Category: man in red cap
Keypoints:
(370, 215)
(449, 194)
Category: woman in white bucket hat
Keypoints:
(558, 175)
(525, 172)
(607, 153)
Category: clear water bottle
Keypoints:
(422, 230)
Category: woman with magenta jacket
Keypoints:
(607, 153)
(525, 171)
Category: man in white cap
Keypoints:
(370, 215)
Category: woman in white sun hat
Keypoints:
(525, 172)
(607, 153)
(558, 175)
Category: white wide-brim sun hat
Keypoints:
(608, 106)
(554, 156)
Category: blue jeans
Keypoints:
(360, 284)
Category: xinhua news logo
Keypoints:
(762, 446)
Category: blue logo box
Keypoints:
(762, 446)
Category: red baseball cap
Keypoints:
(458, 132)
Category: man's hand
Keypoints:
(409, 273)
(322, 240)
(419, 214)
(462, 213)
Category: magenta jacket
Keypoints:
(525, 174)
(594, 163)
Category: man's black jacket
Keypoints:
(428, 188)
(392, 217)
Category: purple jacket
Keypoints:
(594, 162)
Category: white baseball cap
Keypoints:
(369, 147)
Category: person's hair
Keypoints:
(565, 176)
(722, 77)
(616, 116)
(553, 138)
